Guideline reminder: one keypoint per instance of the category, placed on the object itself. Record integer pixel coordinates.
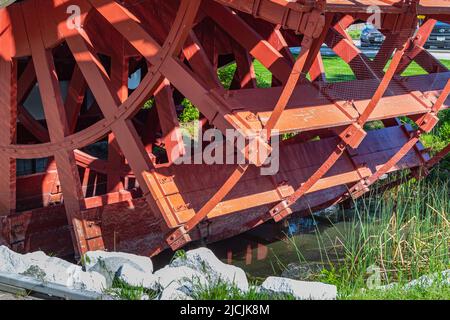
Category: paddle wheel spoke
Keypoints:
(8, 115)
(58, 128)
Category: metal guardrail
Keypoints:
(14, 283)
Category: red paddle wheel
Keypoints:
(91, 92)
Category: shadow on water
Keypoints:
(274, 247)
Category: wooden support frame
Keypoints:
(180, 58)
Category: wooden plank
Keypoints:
(172, 135)
(129, 25)
(245, 75)
(195, 53)
(75, 98)
(242, 33)
(119, 83)
(308, 109)
(8, 124)
(8, 115)
(56, 119)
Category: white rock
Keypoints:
(328, 211)
(109, 263)
(428, 280)
(389, 286)
(141, 263)
(181, 276)
(301, 290)
(204, 261)
(11, 262)
(50, 269)
(422, 282)
(62, 272)
(179, 283)
(135, 277)
(56, 270)
(90, 281)
(174, 292)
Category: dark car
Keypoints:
(440, 36)
(370, 36)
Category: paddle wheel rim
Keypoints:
(126, 110)
(179, 222)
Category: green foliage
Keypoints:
(337, 70)
(439, 138)
(404, 233)
(226, 75)
(263, 76)
(179, 254)
(355, 34)
(223, 291)
(438, 291)
(373, 125)
(85, 260)
(123, 291)
(330, 276)
(149, 104)
(190, 112)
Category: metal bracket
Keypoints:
(353, 135)
(281, 211)
(178, 238)
(428, 121)
(359, 189)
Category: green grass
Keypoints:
(123, 291)
(336, 71)
(403, 233)
(223, 291)
(219, 291)
(440, 136)
(355, 34)
(263, 76)
(438, 291)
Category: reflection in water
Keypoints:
(270, 248)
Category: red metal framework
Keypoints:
(108, 178)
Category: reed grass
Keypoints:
(393, 237)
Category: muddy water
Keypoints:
(269, 249)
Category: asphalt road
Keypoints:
(372, 51)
